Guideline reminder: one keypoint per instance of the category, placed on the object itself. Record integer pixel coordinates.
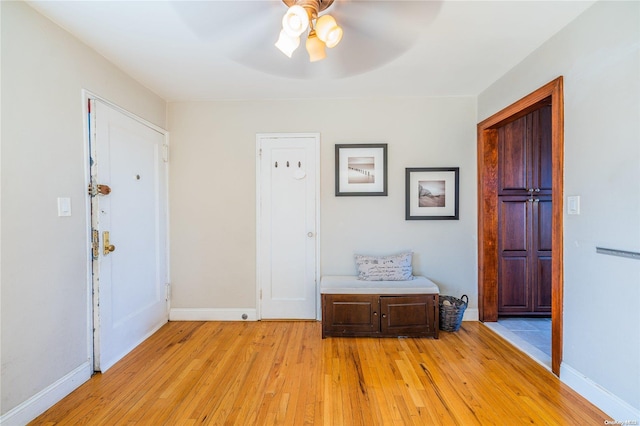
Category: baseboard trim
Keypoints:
(46, 398)
(619, 410)
(471, 315)
(209, 314)
(206, 314)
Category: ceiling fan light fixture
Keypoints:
(315, 47)
(328, 30)
(295, 21)
(305, 14)
(287, 44)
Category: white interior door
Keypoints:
(288, 196)
(130, 295)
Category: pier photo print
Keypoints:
(361, 169)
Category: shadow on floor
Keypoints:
(530, 335)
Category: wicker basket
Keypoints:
(452, 312)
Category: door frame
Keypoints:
(93, 332)
(259, 284)
(488, 208)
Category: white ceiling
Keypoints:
(223, 50)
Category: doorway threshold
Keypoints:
(534, 353)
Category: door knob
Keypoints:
(106, 244)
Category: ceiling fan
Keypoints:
(374, 32)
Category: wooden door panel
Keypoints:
(407, 314)
(513, 287)
(542, 283)
(543, 164)
(513, 225)
(512, 157)
(543, 216)
(350, 314)
(541, 256)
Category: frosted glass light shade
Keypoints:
(315, 47)
(328, 31)
(287, 44)
(295, 21)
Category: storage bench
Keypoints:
(352, 307)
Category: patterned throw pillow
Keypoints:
(396, 267)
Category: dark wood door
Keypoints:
(350, 314)
(408, 315)
(524, 214)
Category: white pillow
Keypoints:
(396, 267)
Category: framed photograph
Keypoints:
(432, 193)
(361, 169)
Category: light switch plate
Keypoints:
(64, 206)
(573, 204)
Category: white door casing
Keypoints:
(287, 228)
(129, 283)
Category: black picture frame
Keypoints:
(361, 169)
(432, 193)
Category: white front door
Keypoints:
(288, 197)
(130, 277)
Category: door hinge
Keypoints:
(260, 153)
(167, 291)
(95, 243)
(260, 294)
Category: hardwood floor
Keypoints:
(266, 373)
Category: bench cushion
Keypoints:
(348, 284)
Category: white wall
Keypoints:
(43, 261)
(598, 54)
(213, 191)
(45, 299)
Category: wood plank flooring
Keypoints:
(284, 373)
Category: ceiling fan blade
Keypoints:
(375, 32)
(226, 22)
